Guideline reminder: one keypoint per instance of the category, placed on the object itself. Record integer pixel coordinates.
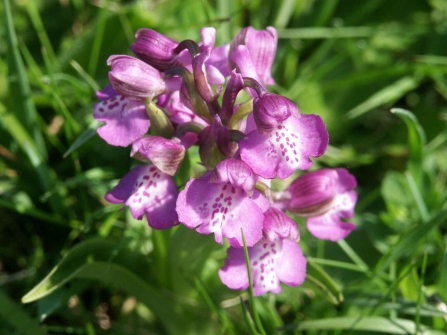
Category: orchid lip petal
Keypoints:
(147, 191)
(286, 148)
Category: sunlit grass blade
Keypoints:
(97, 42)
(88, 79)
(14, 314)
(248, 320)
(326, 33)
(33, 12)
(285, 12)
(420, 293)
(386, 95)
(46, 176)
(250, 288)
(415, 191)
(20, 91)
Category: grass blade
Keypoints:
(386, 95)
(21, 98)
(375, 324)
(409, 241)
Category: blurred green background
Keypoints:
(348, 61)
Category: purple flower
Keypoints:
(286, 148)
(325, 197)
(166, 155)
(125, 121)
(277, 225)
(222, 209)
(134, 78)
(235, 172)
(147, 190)
(155, 49)
(244, 65)
(271, 109)
(261, 45)
(204, 75)
(271, 262)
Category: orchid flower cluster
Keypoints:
(171, 97)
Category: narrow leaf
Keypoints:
(442, 283)
(22, 102)
(375, 324)
(318, 276)
(386, 95)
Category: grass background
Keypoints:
(348, 61)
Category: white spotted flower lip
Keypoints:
(287, 148)
(147, 190)
(222, 209)
(125, 121)
(271, 262)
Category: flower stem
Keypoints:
(250, 289)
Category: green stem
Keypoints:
(250, 289)
(160, 124)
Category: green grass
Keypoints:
(82, 267)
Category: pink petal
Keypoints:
(329, 226)
(291, 267)
(287, 148)
(222, 209)
(126, 121)
(146, 190)
(234, 273)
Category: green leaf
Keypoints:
(47, 177)
(386, 95)
(409, 241)
(84, 137)
(318, 276)
(20, 91)
(376, 324)
(320, 32)
(115, 265)
(442, 286)
(416, 142)
(15, 315)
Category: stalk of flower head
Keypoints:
(166, 100)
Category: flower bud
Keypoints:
(313, 193)
(134, 78)
(261, 45)
(166, 155)
(277, 225)
(270, 109)
(155, 49)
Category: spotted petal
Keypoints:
(270, 263)
(125, 121)
(146, 190)
(287, 148)
(222, 209)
